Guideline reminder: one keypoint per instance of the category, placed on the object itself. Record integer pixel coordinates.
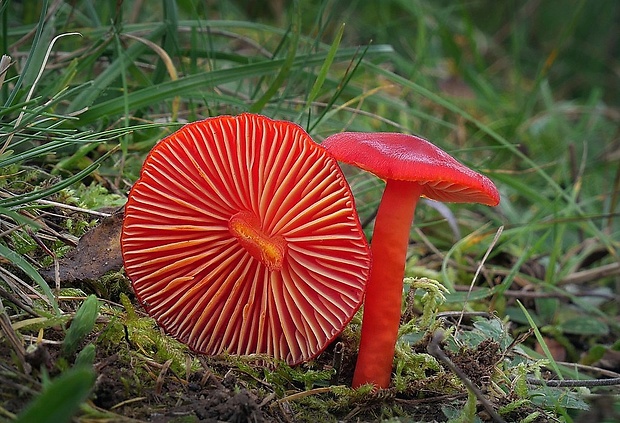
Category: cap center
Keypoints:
(267, 249)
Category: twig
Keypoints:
(598, 370)
(126, 402)
(574, 383)
(73, 208)
(588, 275)
(435, 350)
(612, 380)
(560, 295)
(304, 394)
(337, 362)
(446, 314)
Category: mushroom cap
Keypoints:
(241, 236)
(410, 158)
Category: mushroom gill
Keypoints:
(241, 236)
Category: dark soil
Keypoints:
(131, 387)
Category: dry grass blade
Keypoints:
(5, 63)
(479, 269)
(33, 87)
(9, 332)
(172, 71)
(589, 275)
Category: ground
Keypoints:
(134, 384)
(142, 374)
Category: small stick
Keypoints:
(73, 208)
(435, 350)
(126, 402)
(574, 383)
(162, 377)
(598, 370)
(337, 362)
(304, 394)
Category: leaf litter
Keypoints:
(97, 252)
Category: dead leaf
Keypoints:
(557, 350)
(97, 252)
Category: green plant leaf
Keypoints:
(61, 399)
(553, 397)
(81, 325)
(108, 76)
(584, 325)
(323, 72)
(287, 64)
(86, 357)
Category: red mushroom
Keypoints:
(412, 167)
(241, 236)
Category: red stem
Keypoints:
(382, 305)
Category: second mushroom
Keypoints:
(412, 167)
(241, 236)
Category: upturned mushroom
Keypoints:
(241, 236)
(412, 167)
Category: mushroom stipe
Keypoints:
(241, 236)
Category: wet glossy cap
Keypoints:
(410, 158)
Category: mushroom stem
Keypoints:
(382, 305)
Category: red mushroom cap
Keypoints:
(410, 158)
(241, 236)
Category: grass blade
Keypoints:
(190, 84)
(322, 75)
(541, 341)
(28, 269)
(286, 65)
(82, 324)
(37, 195)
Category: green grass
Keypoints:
(525, 92)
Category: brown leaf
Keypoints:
(557, 350)
(97, 252)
